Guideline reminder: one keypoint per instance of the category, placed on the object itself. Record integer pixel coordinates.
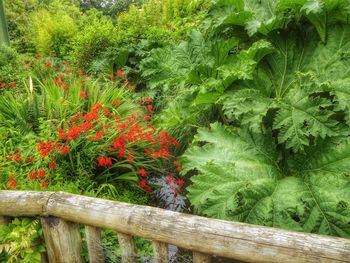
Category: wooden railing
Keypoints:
(61, 213)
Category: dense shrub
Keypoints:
(96, 34)
(11, 68)
(53, 33)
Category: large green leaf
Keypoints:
(305, 81)
(265, 16)
(239, 179)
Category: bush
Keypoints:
(53, 33)
(11, 67)
(96, 34)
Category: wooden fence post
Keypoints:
(201, 258)
(62, 240)
(127, 247)
(94, 243)
(160, 252)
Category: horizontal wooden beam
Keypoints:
(240, 241)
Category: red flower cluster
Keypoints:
(104, 161)
(11, 84)
(174, 184)
(60, 83)
(13, 183)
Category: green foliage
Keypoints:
(52, 32)
(192, 75)
(251, 186)
(21, 241)
(110, 8)
(11, 66)
(268, 15)
(304, 94)
(96, 34)
(281, 159)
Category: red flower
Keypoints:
(142, 183)
(101, 161)
(86, 126)
(98, 135)
(3, 85)
(176, 163)
(147, 188)
(108, 161)
(130, 158)
(12, 84)
(80, 71)
(169, 178)
(120, 73)
(179, 168)
(150, 108)
(43, 185)
(176, 190)
(147, 117)
(91, 116)
(32, 176)
(64, 150)
(148, 99)
(17, 157)
(106, 112)
(163, 134)
(83, 94)
(13, 184)
(52, 165)
(121, 152)
(29, 159)
(62, 136)
(143, 172)
(41, 173)
(74, 132)
(64, 87)
(48, 64)
(97, 106)
(104, 161)
(180, 182)
(116, 103)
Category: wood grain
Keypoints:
(127, 247)
(62, 240)
(160, 252)
(239, 241)
(94, 243)
(201, 258)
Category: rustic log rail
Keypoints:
(62, 212)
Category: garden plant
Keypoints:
(230, 109)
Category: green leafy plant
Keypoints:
(21, 241)
(242, 177)
(281, 159)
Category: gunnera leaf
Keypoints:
(239, 179)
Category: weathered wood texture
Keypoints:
(160, 252)
(127, 248)
(21, 203)
(201, 258)
(94, 243)
(239, 241)
(62, 240)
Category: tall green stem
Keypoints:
(4, 36)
